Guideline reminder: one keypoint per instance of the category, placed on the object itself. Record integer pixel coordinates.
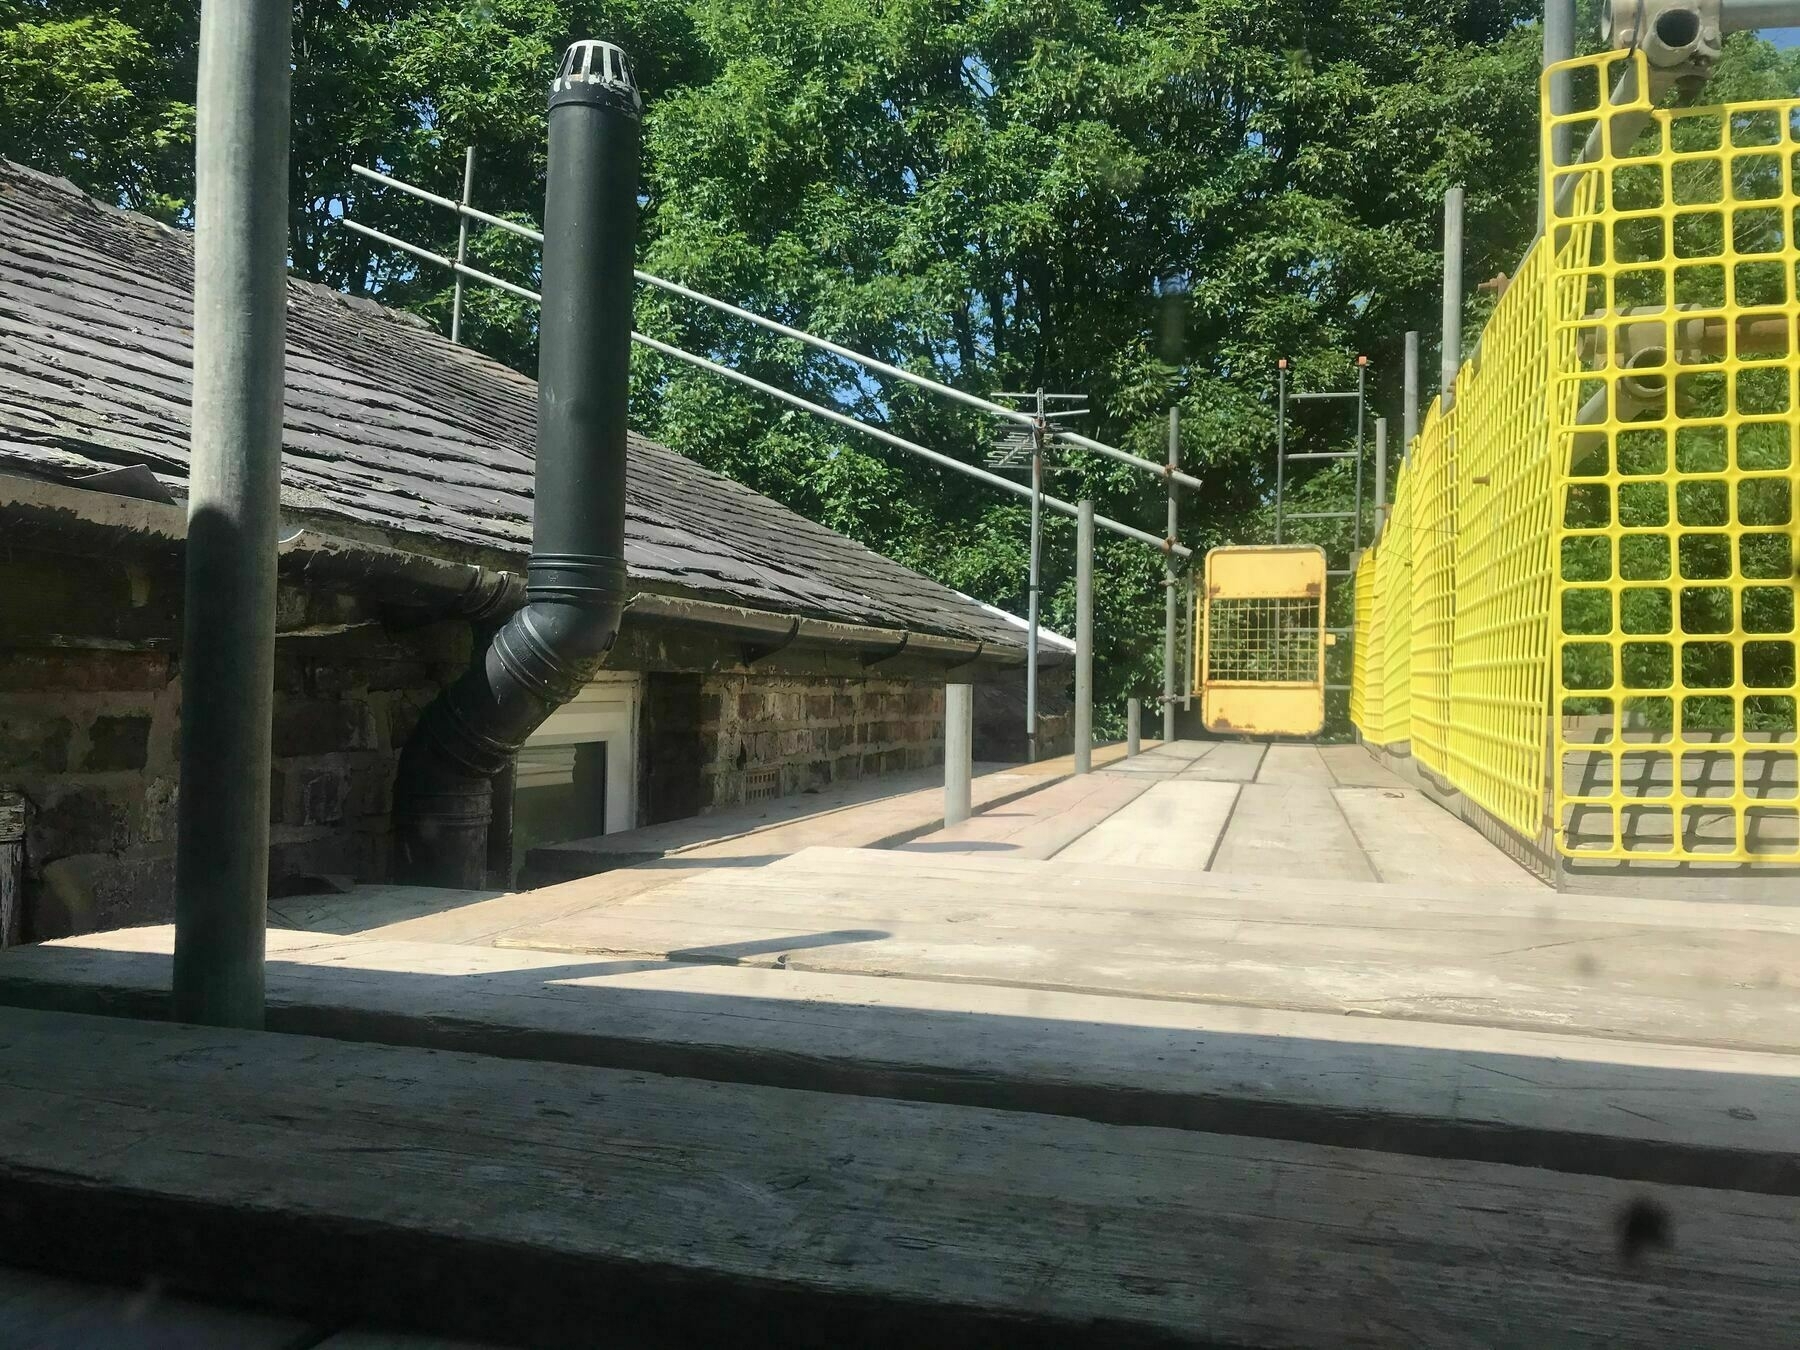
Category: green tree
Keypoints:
(1145, 204)
(1148, 203)
(102, 97)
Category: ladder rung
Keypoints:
(1340, 630)
(1301, 398)
(1323, 454)
(1337, 688)
(1318, 515)
(1340, 571)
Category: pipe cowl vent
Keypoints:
(592, 71)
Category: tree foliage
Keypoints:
(1145, 203)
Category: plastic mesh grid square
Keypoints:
(1266, 639)
(1676, 392)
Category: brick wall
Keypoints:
(90, 737)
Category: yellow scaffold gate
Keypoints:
(1260, 652)
(1580, 613)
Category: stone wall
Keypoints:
(90, 707)
(754, 734)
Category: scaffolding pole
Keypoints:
(1034, 602)
(234, 505)
(837, 349)
(750, 381)
(462, 242)
(1084, 638)
(1169, 583)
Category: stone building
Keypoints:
(761, 655)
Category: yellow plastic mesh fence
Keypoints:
(1675, 400)
(1433, 618)
(1600, 530)
(1367, 672)
(1393, 578)
(1498, 690)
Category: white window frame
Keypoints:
(606, 710)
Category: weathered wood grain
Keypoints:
(1290, 827)
(1409, 839)
(1041, 824)
(1057, 881)
(475, 1196)
(1667, 975)
(1175, 825)
(1644, 1111)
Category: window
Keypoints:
(577, 775)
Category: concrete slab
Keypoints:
(876, 810)
(1164, 759)
(1060, 882)
(1352, 766)
(427, 914)
(875, 813)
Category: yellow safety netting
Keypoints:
(1393, 576)
(1366, 690)
(1431, 463)
(1599, 647)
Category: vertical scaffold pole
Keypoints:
(959, 740)
(234, 500)
(1559, 45)
(1409, 412)
(1034, 599)
(462, 243)
(1171, 602)
(1450, 352)
(1280, 439)
(1381, 475)
(1084, 637)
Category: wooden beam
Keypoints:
(1644, 1111)
(473, 1196)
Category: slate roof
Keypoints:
(387, 424)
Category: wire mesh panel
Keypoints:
(1675, 403)
(1434, 587)
(1392, 617)
(1266, 639)
(1505, 504)
(1366, 673)
(1261, 661)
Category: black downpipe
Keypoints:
(575, 581)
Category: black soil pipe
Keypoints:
(575, 581)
